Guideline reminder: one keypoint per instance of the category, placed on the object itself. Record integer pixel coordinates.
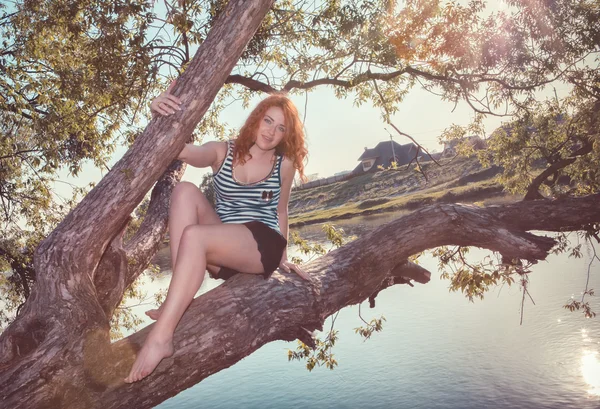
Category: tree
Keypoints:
(373, 50)
(57, 352)
(232, 315)
(73, 75)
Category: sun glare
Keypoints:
(590, 369)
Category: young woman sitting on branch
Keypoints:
(253, 177)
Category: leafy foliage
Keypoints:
(591, 237)
(574, 305)
(547, 147)
(375, 325)
(496, 60)
(321, 355)
(475, 279)
(548, 151)
(71, 74)
(334, 235)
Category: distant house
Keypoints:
(383, 155)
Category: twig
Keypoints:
(585, 292)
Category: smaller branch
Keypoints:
(360, 316)
(19, 153)
(163, 62)
(416, 143)
(250, 83)
(533, 189)
(524, 283)
(264, 75)
(587, 282)
(383, 102)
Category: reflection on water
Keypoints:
(590, 366)
(590, 369)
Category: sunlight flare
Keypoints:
(590, 369)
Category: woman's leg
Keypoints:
(229, 245)
(188, 207)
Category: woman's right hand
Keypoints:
(166, 103)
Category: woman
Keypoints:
(253, 177)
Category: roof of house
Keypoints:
(369, 154)
(384, 156)
(385, 149)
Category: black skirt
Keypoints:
(271, 245)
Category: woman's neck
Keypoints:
(258, 153)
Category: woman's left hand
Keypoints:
(287, 266)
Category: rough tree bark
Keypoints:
(57, 353)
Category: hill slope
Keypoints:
(457, 179)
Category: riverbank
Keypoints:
(458, 179)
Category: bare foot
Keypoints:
(148, 358)
(154, 314)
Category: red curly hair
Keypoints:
(291, 146)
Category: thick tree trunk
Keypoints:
(57, 353)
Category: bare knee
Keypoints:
(194, 233)
(184, 190)
(188, 192)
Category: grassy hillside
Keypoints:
(458, 179)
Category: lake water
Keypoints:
(437, 350)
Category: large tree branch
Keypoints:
(360, 78)
(250, 83)
(122, 264)
(465, 83)
(230, 322)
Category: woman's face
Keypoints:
(271, 129)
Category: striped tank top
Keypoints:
(237, 202)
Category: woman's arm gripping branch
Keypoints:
(202, 156)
